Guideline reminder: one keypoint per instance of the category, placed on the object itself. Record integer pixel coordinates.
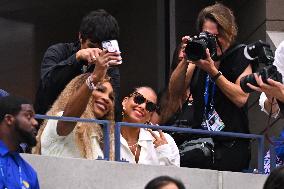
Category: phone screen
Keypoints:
(112, 46)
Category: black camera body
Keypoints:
(196, 47)
(263, 53)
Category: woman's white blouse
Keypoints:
(167, 154)
(63, 146)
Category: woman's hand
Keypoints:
(159, 140)
(102, 63)
(271, 89)
(207, 64)
(184, 41)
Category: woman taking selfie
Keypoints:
(86, 96)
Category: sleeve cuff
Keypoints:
(164, 151)
(262, 99)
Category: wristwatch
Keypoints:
(215, 77)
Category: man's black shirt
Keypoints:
(59, 66)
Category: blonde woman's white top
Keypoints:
(63, 146)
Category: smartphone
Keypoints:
(112, 46)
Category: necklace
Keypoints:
(131, 146)
(135, 151)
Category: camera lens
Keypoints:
(195, 50)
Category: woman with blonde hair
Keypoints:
(86, 96)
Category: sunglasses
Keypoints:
(140, 99)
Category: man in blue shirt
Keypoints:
(17, 125)
(3, 93)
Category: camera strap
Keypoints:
(230, 51)
(211, 119)
(209, 84)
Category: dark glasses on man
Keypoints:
(140, 99)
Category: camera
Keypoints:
(261, 53)
(196, 47)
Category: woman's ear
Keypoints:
(124, 101)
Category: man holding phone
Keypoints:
(64, 61)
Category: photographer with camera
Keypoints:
(271, 89)
(213, 68)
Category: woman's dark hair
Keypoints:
(175, 60)
(161, 181)
(99, 26)
(275, 179)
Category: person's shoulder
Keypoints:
(281, 45)
(59, 46)
(29, 169)
(32, 175)
(235, 49)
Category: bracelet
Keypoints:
(214, 78)
(90, 84)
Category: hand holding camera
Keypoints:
(207, 64)
(260, 52)
(271, 88)
(202, 51)
(197, 45)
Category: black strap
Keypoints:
(230, 51)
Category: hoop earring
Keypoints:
(123, 110)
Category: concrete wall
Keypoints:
(274, 15)
(70, 173)
(17, 73)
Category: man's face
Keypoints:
(89, 44)
(25, 126)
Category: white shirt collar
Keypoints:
(144, 137)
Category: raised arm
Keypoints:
(178, 85)
(59, 66)
(78, 102)
(232, 90)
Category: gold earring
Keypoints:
(123, 110)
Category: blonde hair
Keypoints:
(83, 131)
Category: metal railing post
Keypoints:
(260, 145)
(272, 156)
(117, 141)
(106, 129)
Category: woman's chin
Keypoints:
(135, 119)
(99, 114)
